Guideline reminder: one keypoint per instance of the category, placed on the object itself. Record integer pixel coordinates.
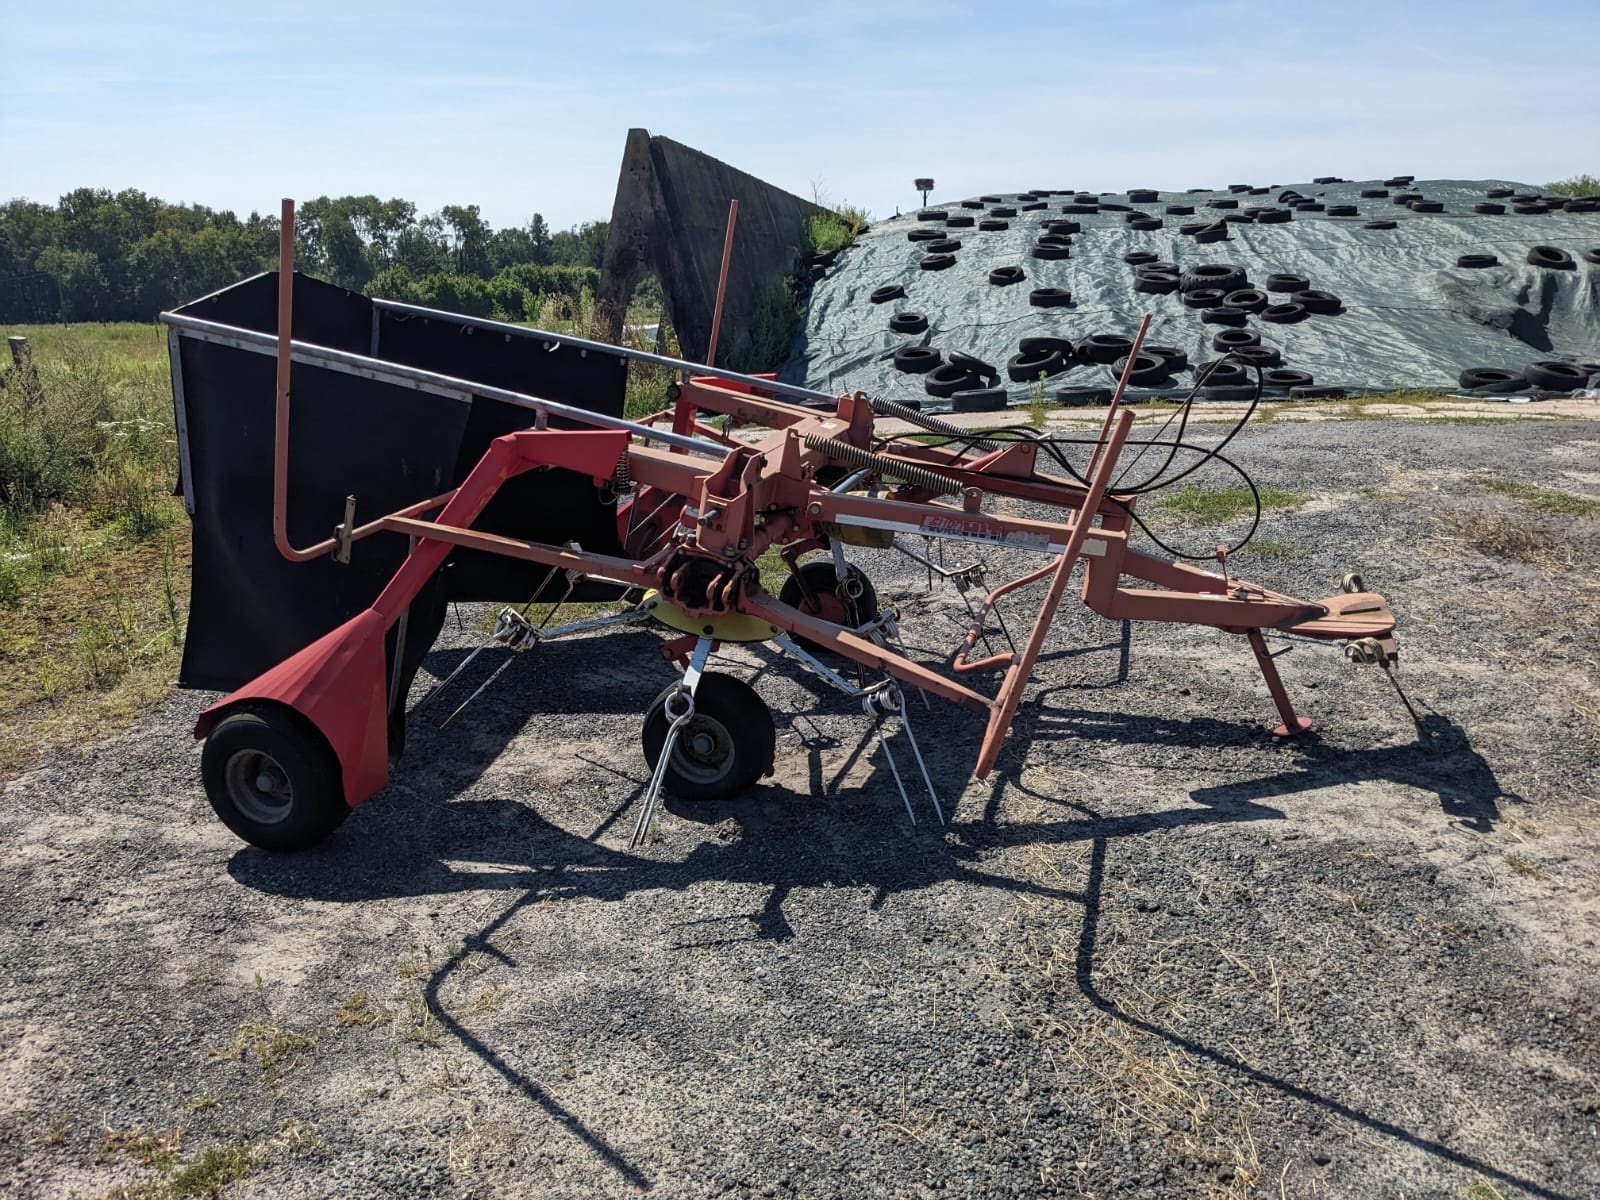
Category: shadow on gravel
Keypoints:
(1446, 765)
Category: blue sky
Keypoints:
(524, 107)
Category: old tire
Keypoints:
(1284, 314)
(1551, 258)
(908, 322)
(272, 778)
(916, 360)
(1557, 376)
(1049, 297)
(1482, 377)
(946, 380)
(723, 748)
(1027, 366)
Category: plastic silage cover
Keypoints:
(1411, 317)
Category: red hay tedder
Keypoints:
(290, 752)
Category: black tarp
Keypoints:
(386, 444)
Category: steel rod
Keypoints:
(722, 282)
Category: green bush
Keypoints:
(833, 230)
(1578, 185)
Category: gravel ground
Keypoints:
(1156, 954)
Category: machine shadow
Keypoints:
(423, 840)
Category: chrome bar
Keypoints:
(428, 381)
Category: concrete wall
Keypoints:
(670, 215)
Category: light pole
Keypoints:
(924, 186)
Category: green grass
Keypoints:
(1269, 548)
(1540, 500)
(1578, 185)
(834, 229)
(209, 1172)
(1212, 506)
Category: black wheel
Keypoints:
(1027, 366)
(1285, 379)
(1104, 347)
(856, 607)
(1029, 345)
(974, 364)
(916, 360)
(1248, 299)
(1476, 262)
(1006, 276)
(1049, 297)
(272, 778)
(1225, 276)
(937, 262)
(1287, 282)
(1479, 377)
(1284, 314)
(1232, 339)
(1223, 373)
(1379, 225)
(891, 291)
(1148, 369)
(1557, 376)
(1325, 303)
(1552, 258)
(1490, 210)
(1257, 356)
(1203, 298)
(1050, 250)
(1175, 358)
(1217, 232)
(943, 246)
(978, 400)
(948, 379)
(908, 322)
(990, 225)
(1156, 283)
(1224, 314)
(955, 221)
(722, 749)
(1592, 256)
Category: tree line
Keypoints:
(96, 255)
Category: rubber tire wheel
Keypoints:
(1592, 256)
(1049, 297)
(955, 221)
(1148, 369)
(1006, 276)
(1552, 258)
(1316, 392)
(1031, 345)
(1286, 379)
(943, 246)
(1050, 250)
(1490, 210)
(1145, 224)
(1380, 225)
(1287, 282)
(1477, 261)
(1176, 359)
(925, 235)
(1481, 377)
(1223, 314)
(1257, 356)
(1157, 283)
(1225, 276)
(974, 364)
(1104, 347)
(908, 322)
(305, 767)
(1557, 376)
(740, 726)
(1004, 210)
(1233, 339)
(916, 360)
(1275, 216)
(1427, 206)
(979, 400)
(1140, 258)
(1284, 314)
(948, 379)
(1231, 391)
(988, 225)
(1212, 233)
(1343, 210)
(884, 294)
(1249, 299)
(1323, 303)
(1027, 366)
(937, 262)
(1204, 298)
(1223, 374)
(932, 214)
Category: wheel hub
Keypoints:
(259, 786)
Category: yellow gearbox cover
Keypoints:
(729, 627)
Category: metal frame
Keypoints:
(818, 479)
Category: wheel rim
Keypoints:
(704, 751)
(259, 787)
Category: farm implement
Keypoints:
(669, 515)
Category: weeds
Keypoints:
(1496, 536)
(1270, 549)
(358, 1010)
(834, 229)
(1540, 500)
(1212, 506)
(1036, 402)
(270, 1045)
(211, 1171)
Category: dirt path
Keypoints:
(1157, 954)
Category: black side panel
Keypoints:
(387, 445)
(323, 314)
(250, 608)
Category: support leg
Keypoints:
(1292, 724)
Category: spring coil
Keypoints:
(888, 408)
(622, 477)
(857, 457)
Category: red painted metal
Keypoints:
(722, 282)
(694, 527)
